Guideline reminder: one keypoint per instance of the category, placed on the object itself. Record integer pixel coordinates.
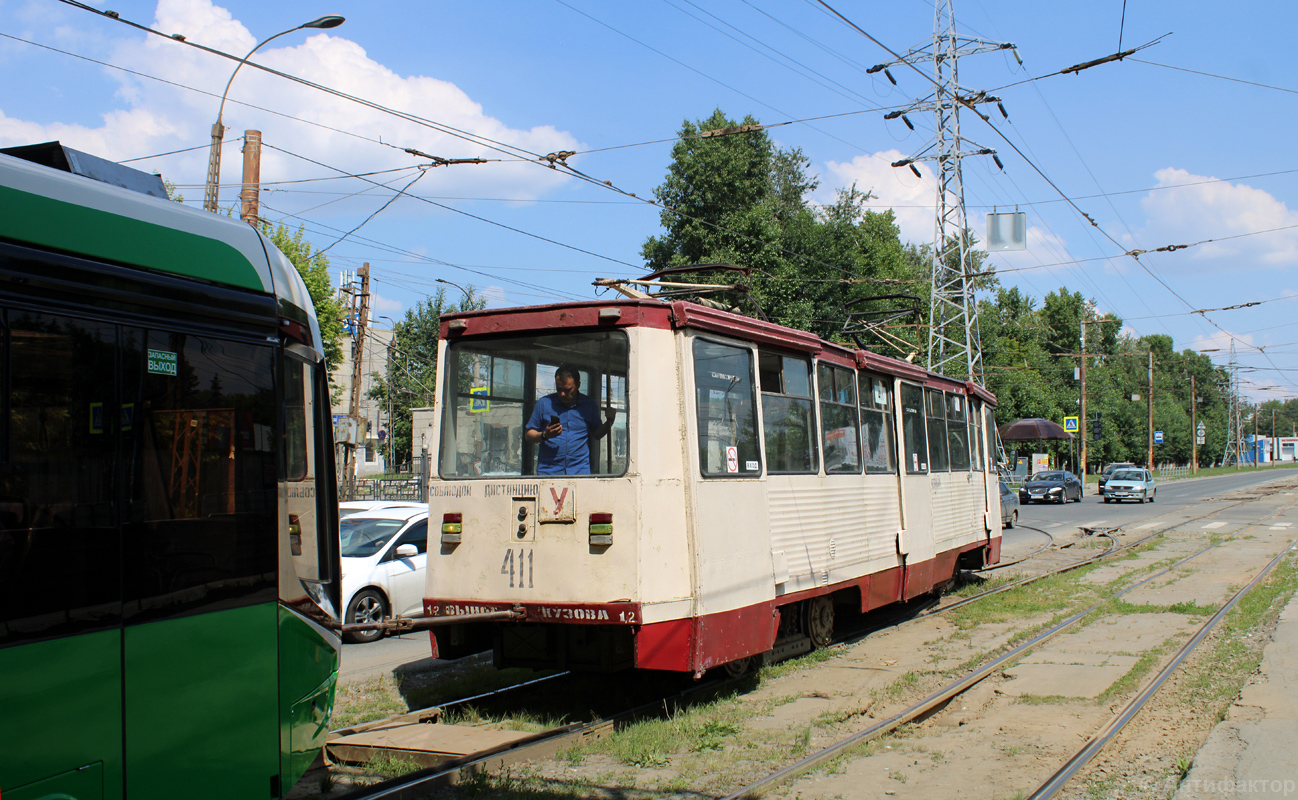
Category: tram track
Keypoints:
(418, 784)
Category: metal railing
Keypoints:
(1172, 473)
(412, 485)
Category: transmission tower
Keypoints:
(954, 346)
(1234, 423)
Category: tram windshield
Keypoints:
(496, 391)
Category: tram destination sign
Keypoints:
(162, 362)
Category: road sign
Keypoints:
(1201, 429)
(1070, 424)
(1158, 437)
(1200, 440)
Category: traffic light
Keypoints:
(1096, 427)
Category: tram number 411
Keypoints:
(522, 571)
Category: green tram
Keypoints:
(169, 570)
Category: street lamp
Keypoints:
(218, 130)
(456, 285)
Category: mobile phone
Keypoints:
(554, 420)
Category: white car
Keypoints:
(349, 507)
(384, 554)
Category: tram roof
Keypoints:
(649, 313)
(59, 211)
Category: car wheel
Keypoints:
(1013, 520)
(366, 606)
(1151, 496)
(1108, 499)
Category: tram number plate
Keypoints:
(518, 568)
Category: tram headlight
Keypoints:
(452, 528)
(601, 529)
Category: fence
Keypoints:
(412, 485)
(1171, 473)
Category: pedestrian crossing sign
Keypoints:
(1070, 424)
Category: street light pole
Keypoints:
(218, 129)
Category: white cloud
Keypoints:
(1217, 210)
(910, 198)
(1217, 344)
(383, 305)
(495, 296)
(156, 117)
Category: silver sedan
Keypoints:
(1130, 484)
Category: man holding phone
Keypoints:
(564, 424)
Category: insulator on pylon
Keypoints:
(912, 169)
(1004, 113)
(889, 74)
(907, 121)
(997, 159)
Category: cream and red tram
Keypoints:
(754, 478)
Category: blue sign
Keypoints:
(1070, 424)
(1158, 437)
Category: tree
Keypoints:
(412, 365)
(736, 198)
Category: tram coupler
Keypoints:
(409, 624)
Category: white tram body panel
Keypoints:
(751, 470)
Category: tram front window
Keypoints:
(503, 396)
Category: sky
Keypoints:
(1186, 142)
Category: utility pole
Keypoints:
(1150, 402)
(1194, 429)
(250, 197)
(1255, 447)
(1083, 422)
(954, 346)
(362, 306)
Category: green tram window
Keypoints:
(725, 400)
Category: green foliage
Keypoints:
(738, 199)
(412, 364)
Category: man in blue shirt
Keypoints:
(563, 425)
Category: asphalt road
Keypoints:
(362, 662)
(1093, 512)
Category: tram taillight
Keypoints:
(601, 529)
(452, 527)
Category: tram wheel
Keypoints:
(818, 619)
(739, 668)
(366, 606)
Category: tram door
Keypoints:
(916, 541)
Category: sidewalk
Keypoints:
(1254, 752)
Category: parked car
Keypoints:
(1108, 472)
(1009, 507)
(384, 556)
(1051, 486)
(349, 507)
(1130, 484)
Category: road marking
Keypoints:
(1212, 525)
(1146, 526)
(1279, 526)
(1052, 524)
(1097, 523)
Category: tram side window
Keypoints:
(937, 454)
(788, 422)
(59, 547)
(306, 465)
(957, 431)
(876, 424)
(203, 527)
(841, 437)
(914, 434)
(725, 401)
(989, 424)
(976, 423)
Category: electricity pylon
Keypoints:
(954, 346)
(1234, 423)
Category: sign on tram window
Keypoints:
(479, 403)
(162, 362)
(725, 403)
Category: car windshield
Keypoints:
(1048, 476)
(365, 537)
(1127, 475)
